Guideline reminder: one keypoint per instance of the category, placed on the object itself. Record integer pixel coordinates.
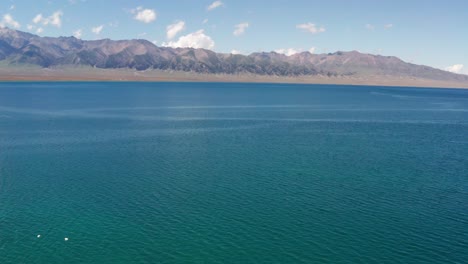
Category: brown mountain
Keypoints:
(18, 47)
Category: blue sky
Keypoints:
(427, 32)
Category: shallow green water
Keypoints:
(232, 173)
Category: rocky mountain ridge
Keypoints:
(17, 47)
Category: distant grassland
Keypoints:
(27, 72)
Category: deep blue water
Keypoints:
(232, 173)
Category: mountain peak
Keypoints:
(18, 47)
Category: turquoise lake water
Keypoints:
(232, 173)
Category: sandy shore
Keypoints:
(92, 74)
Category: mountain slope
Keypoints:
(18, 47)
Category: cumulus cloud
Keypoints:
(8, 20)
(55, 19)
(197, 40)
(144, 15)
(292, 51)
(240, 28)
(214, 5)
(311, 28)
(174, 29)
(37, 29)
(78, 33)
(97, 30)
(37, 19)
(288, 52)
(457, 68)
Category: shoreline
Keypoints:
(128, 75)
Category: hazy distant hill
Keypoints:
(18, 47)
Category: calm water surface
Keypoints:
(232, 173)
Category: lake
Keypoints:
(232, 173)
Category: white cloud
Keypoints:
(8, 20)
(78, 33)
(311, 28)
(236, 52)
(144, 15)
(197, 40)
(174, 29)
(12, 7)
(55, 19)
(97, 30)
(39, 30)
(288, 52)
(37, 19)
(29, 27)
(388, 26)
(214, 5)
(292, 51)
(240, 28)
(369, 27)
(457, 68)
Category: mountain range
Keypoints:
(18, 48)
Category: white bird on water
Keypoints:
(38, 236)
(66, 239)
